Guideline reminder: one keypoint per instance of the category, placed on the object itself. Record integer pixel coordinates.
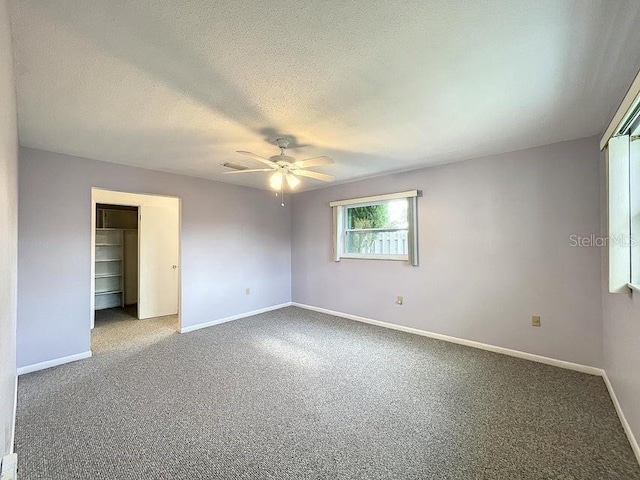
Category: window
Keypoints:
(381, 227)
(622, 143)
(619, 214)
(634, 203)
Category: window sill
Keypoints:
(400, 258)
(634, 286)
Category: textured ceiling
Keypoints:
(378, 85)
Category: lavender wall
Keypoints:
(494, 250)
(8, 231)
(621, 334)
(232, 238)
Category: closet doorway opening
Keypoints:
(135, 274)
(116, 262)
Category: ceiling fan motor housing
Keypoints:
(282, 142)
(280, 159)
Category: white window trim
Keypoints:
(626, 108)
(616, 142)
(364, 256)
(338, 226)
(619, 215)
(375, 198)
(634, 286)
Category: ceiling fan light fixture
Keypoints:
(276, 181)
(292, 181)
(285, 168)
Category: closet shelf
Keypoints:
(109, 292)
(115, 255)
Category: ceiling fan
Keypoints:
(285, 168)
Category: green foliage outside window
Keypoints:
(371, 216)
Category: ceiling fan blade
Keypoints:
(318, 176)
(249, 170)
(314, 162)
(259, 158)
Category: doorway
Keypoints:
(135, 274)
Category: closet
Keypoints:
(116, 256)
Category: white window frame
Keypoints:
(634, 205)
(339, 208)
(619, 214)
(620, 235)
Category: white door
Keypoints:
(159, 255)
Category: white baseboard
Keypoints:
(191, 328)
(461, 341)
(53, 363)
(623, 419)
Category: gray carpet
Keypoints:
(293, 394)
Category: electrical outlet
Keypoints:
(247, 291)
(535, 321)
(399, 300)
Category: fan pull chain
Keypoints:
(281, 195)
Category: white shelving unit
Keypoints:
(109, 268)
